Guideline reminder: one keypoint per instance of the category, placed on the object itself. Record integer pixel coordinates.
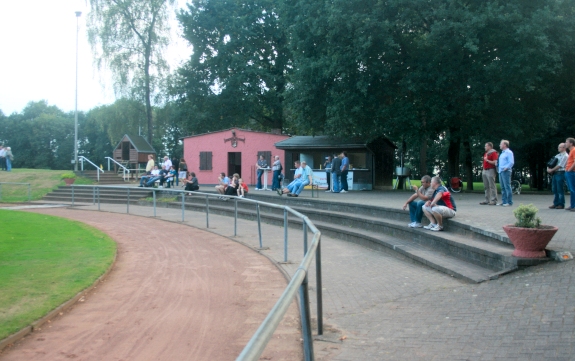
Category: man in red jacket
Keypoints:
(489, 172)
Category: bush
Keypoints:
(68, 175)
(527, 216)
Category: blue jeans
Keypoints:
(259, 182)
(344, 180)
(335, 181)
(300, 186)
(293, 185)
(505, 182)
(8, 164)
(416, 211)
(558, 191)
(152, 180)
(276, 180)
(570, 176)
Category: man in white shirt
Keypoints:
(167, 164)
(558, 173)
(2, 157)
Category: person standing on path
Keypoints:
(570, 172)
(176, 164)
(489, 163)
(417, 200)
(327, 166)
(2, 157)
(277, 171)
(261, 165)
(336, 173)
(558, 174)
(344, 171)
(183, 167)
(9, 158)
(506, 161)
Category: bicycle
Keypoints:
(516, 185)
(455, 184)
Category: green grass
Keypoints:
(45, 261)
(42, 181)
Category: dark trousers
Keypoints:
(344, 180)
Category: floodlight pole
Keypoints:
(78, 13)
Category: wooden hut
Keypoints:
(133, 150)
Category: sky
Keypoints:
(38, 56)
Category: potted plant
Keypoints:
(528, 235)
(69, 178)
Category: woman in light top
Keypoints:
(150, 164)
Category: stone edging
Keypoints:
(15, 337)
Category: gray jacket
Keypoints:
(336, 165)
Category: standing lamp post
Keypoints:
(78, 13)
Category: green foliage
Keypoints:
(45, 261)
(527, 216)
(68, 175)
(129, 37)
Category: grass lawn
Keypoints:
(45, 261)
(42, 181)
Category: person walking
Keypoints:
(506, 162)
(558, 174)
(344, 171)
(489, 174)
(570, 172)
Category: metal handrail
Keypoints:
(124, 169)
(82, 159)
(299, 281)
(29, 189)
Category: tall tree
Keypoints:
(128, 36)
(240, 61)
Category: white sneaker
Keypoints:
(430, 226)
(437, 228)
(343, 191)
(241, 196)
(416, 225)
(411, 224)
(328, 191)
(257, 189)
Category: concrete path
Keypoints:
(380, 306)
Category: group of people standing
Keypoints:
(563, 172)
(494, 163)
(337, 168)
(6, 158)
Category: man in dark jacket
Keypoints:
(336, 173)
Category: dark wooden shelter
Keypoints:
(133, 150)
(371, 162)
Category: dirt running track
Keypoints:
(175, 293)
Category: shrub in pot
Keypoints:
(69, 178)
(528, 235)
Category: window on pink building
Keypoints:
(205, 160)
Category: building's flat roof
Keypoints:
(325, 141)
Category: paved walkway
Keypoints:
(385, 307)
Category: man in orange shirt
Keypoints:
(489, 173)
(570, 172)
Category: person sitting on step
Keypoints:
(242, 189)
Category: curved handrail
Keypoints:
(255, 347)
(82, 159)
(124, 169)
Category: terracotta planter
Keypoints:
(530, 242)
(69, 181)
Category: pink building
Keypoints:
(230, 151)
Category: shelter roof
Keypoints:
(140, 143)
(329, 142)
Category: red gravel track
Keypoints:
(175, 293)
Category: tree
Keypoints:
(128, 36)
(237, 72)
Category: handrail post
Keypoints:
(93, 195)
(304, 238)
(306, 321)
(207, 212)
(154, 195)
(72, 194)
(128, 203)
(235, 216)
(108, 163)
(183, 204)
(318, 286)
(285, 235)
(29, 193)
(0, 192)
(98, 188)
(259, 225)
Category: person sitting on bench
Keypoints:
(153, 173)
(168, 177)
